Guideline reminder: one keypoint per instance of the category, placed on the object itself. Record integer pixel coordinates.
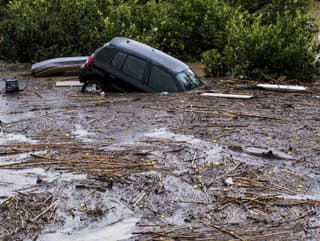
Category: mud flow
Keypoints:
(138, 166)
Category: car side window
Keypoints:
(134, 67)
(118, 60)
(161, 80)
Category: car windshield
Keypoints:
(189, 79)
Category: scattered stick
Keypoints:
(37, 93)
(53, 205)
(218, 112)
(225, 231)
(139, 199)
(226, 174)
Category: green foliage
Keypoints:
(267, 7)
(234, 36)
(259, 48)
(47, 28)
(198, 25)
(41, 29)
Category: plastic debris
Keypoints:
(12, 85)
(229, 181)
(163, 93)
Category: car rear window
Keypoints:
(118, 60)
(161, 80)
(134, 67)
(189, 79)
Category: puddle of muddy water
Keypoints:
(8, 138)
(123, 136)
(129, 136)
(133, 136)
(13, 180)
(82, 134)
(13, 158)
(115, 232)
(165, 134)
(206, 152)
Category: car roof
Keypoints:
(144, 51)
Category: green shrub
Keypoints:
(257, 49)
(198, 25)
(269, 7)
(36, 30)
(253, 38)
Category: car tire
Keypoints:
(93, 86)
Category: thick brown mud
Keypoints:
(136, 166)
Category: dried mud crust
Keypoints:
(189, 167)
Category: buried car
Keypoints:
(127, 65)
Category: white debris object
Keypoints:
(229, 181)
(227, 95)
(68, 83)
(282, 87)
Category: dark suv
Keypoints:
(127, 65)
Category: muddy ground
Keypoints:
(137, 166)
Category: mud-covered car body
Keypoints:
(127, 65)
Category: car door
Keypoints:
(160, 80)
(130, 70)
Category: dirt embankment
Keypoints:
(151, 167)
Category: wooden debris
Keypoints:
(70, 83)
(232, 96)
(261, 203)
(140, 197)
(229, 113)
(282, 87)
(225, 231)
(37, 93)
(80, 159)
(36, 218)
(22, 216)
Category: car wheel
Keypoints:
(93, 87)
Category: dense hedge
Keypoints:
(256, 50)
(35, 30)
(271, 37)
(271, 7)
